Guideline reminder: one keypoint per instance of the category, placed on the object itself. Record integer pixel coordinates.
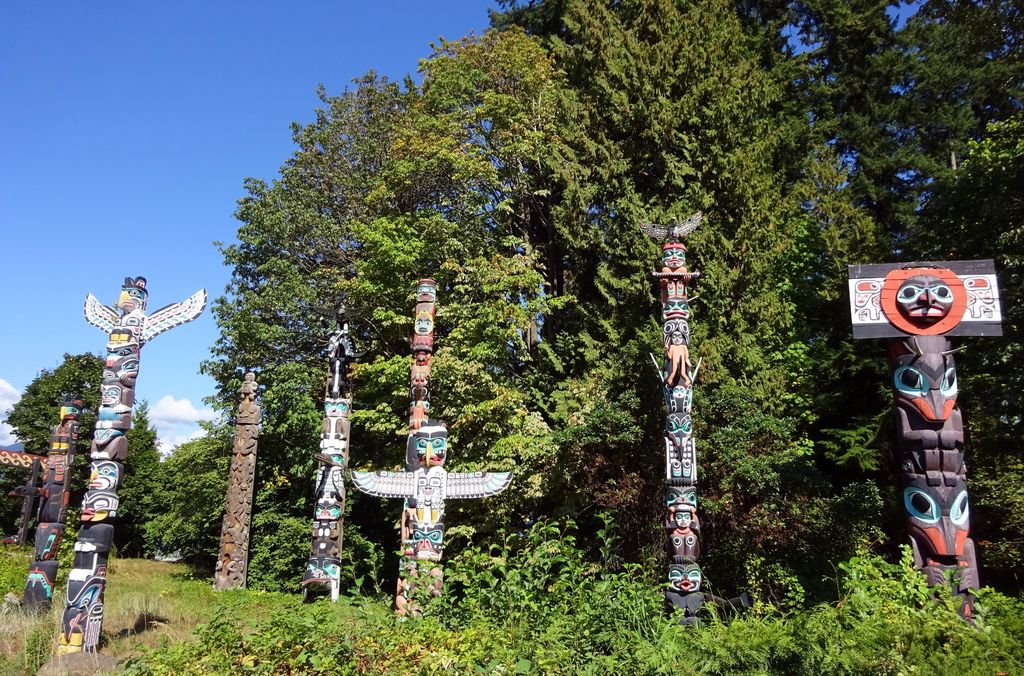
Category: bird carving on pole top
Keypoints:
(675, 232)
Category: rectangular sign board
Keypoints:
(973, 299)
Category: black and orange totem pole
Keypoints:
(918, 307)
(425, 484)
(42, 573)
(128, 328)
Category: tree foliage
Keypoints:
(515, 172)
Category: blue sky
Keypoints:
(126, 130)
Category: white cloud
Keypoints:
(167, 441)
(170, 411)
(8, 396)
(176, 421)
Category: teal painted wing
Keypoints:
(476, 484)
(100, 315)
(176, 314)
(386, 484)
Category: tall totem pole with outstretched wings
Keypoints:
(425, 484)
(128, 328)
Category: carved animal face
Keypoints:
(926, 384)
(938, 516)
(99, 505)
(105, 475)
(133, 295)
(673, 255)
(431, 445)
(336, 408)
(427, 541)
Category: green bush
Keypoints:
(14, 563)
(535, 603)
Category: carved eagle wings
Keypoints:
(99, 315)
(677, 231)
(457, 484)
(106, 318)
(176, 314)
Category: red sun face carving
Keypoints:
(923, 301)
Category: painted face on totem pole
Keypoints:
(682, 523)
(110, 395)
(318, 571)
(685, 578)
(70, 408)
(426, 291)
(924, 299)
(678, 496)
(678, 426)
(336, 408)
(122, 363)
(673, 256)
(133, 295)
(328, 509)
(105, 475)
(426, 542)
(424, 323)
(98, 505)
(431, 444)
(676, 332)
(675, 306)
(938, 516)
(926, 384)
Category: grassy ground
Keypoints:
(148, 604)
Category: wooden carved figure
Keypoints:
(128, 329)
(425, 484)
(682, 526)
(233, 557)
(323, 569)
(917, 307)
(42, 572)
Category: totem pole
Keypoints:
(323, 569)
(53, 515)
(233, 558)
(127, 333)
(29, 492)
(917, 307)
(682, 526)
(426, 484)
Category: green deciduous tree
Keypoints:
(189, 506)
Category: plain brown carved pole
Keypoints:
(233, 558)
